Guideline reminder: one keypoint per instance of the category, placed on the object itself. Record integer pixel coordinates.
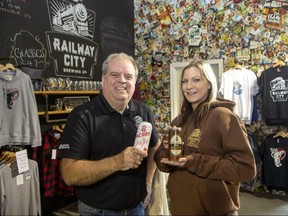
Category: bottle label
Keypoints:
(176, 152)
(175, 146)
(176, 139)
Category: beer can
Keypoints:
(143, 135)
(175, 143)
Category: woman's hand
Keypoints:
(180, 163)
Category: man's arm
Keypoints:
(87, 172)
(151, 168)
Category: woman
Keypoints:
(216, 154)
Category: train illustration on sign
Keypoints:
(73, 19)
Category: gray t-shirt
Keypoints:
(20, 194)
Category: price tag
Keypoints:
(54, 151)
(22, 161)
(19, 179)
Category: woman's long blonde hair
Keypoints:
(203, 108)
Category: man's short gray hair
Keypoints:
(121, 55)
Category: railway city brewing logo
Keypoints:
(279, 89)
(70, 43)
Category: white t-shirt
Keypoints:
(240, 85)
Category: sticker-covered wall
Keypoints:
(253, 32)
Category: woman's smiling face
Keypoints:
(195, 86)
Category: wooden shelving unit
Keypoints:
(47, 113)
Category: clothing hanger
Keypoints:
(8, 157)
(281, 133)
(8, 66)
(279, 63)
(57, 128)
(280, 60)
(238, 66)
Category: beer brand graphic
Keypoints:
(278, 154)
(279, 89)
(64, 146)
(274, 19)
(71, 18)
(237, 88)
(194, 35)
(164, 16)
(194, 138)
(71, 43)
(175, 147)
(176, 139)
(143, 135)
(11, 95)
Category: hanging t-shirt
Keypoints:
(273, 84)
(20, 193)
(275, 161)
(240, 85)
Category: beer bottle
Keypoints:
(175, 143)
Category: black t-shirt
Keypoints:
(95, 131)
(273, 84)
(275, 161)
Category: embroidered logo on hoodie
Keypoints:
(194, 138)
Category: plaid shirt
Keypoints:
(49, 169)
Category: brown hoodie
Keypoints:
(219, 158)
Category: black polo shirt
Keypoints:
(95, 131)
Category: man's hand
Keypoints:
(148, 196)
(131, 158)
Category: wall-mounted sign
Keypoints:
(66, 38)
(70, 43)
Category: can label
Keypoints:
(143, 136)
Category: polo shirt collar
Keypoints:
(108, 109)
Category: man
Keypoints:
(97, 150)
